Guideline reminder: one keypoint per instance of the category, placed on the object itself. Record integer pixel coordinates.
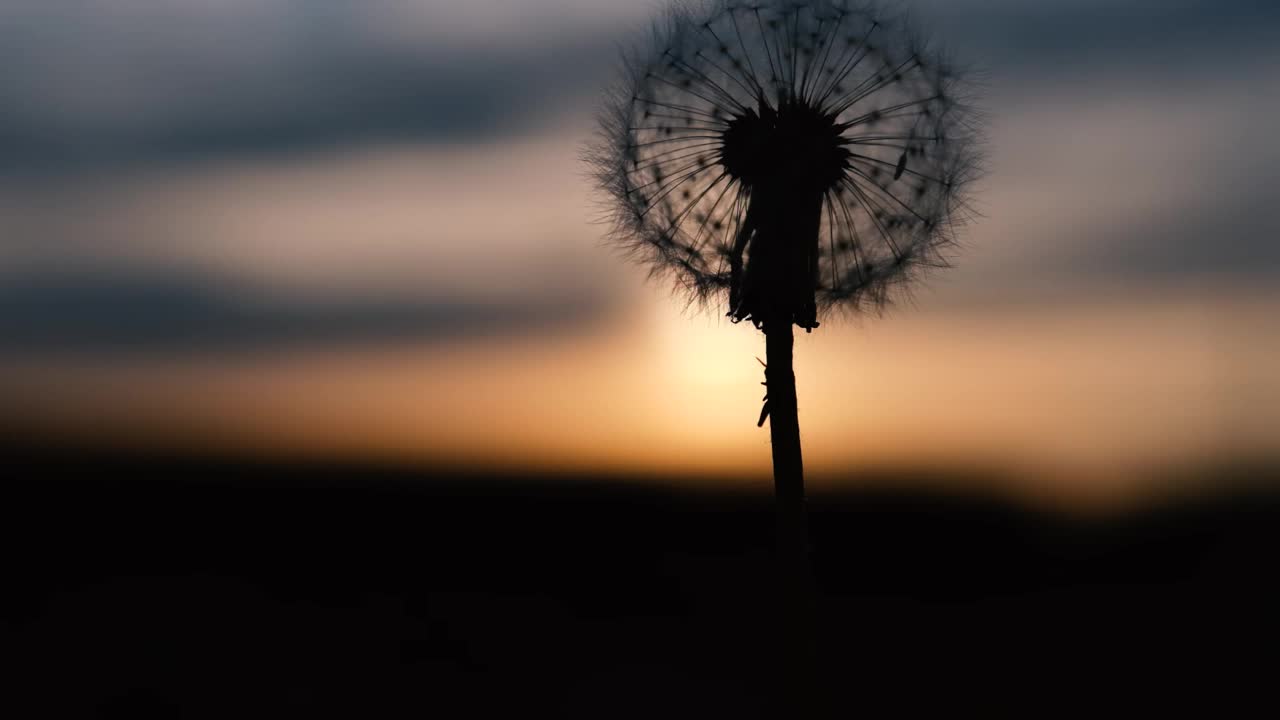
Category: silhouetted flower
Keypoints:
(789, 157)
(799, 156)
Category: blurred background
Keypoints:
(363, 230)
(317, 233)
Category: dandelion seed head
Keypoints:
(788, 158)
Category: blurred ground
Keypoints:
(197, 587)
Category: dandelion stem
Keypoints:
(795, 576)
(784, 424)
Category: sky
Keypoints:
(363, 230)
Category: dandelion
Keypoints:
(787, 159)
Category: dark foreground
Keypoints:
(181, 588)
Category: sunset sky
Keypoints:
(363, 230)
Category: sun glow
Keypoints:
(1088, 396)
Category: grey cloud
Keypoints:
(92, 86)
(163, 311)
(1062, 37)
(1238, 234)
(95, 89)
